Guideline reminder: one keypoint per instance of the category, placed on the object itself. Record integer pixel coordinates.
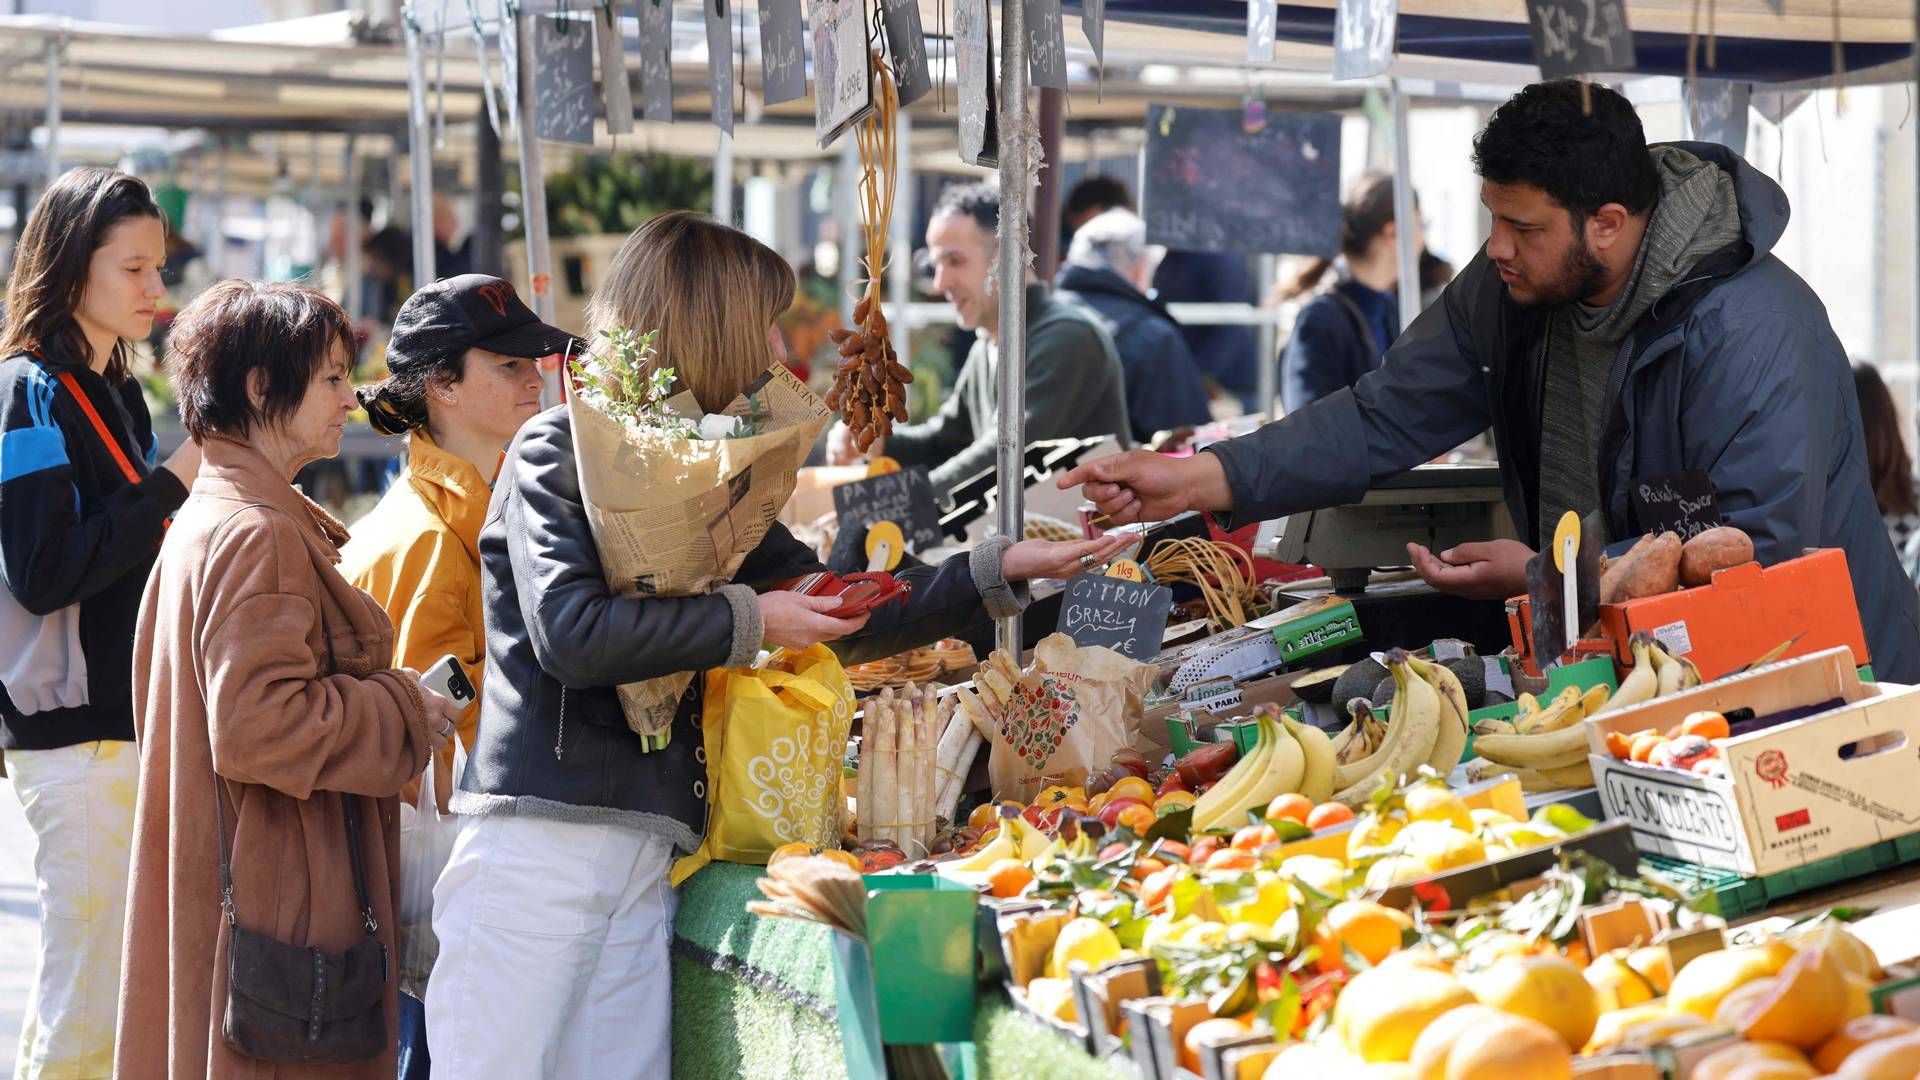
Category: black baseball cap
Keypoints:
(471, 311)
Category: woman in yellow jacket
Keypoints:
(463, 377)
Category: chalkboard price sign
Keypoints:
(783, 52)
(1573, 37)
(907, 48)
(1717, 112)
(562, 78)
(1262, 23)
(1046, 44)
(719, 15)
(904, 498)
(1363, 35)
(842, 83)
(656, 65)
(973, 66)
(1214, 185)
(1681, 502)
(1125, 616)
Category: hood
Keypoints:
(1763, 205)
(1089, 281)
(450, 486)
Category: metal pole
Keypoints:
(533, 190)
(53, 113)
(1010, 275)
(420, 154)
(900, 271)
(218, 251)
(1403, 212)
(1269, 372)
(1046, 214)
(723, 179)
(350, 213)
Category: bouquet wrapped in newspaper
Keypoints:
(677, 499)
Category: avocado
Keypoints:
(1472, 673)
(1316, 687)
(1357, 681)
(1382, 693)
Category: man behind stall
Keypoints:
(1074, 386)
(1625, 321)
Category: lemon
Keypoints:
(1549, 989)
(1053, 997)
(1617, 984)
(1384, 1009)
(1271, 901)
(1699, 986)
(1086, 940)
(1433, 801)
(1317, 872)
(1394, 870)
(1165, 930)
(1203, 932)
(1372, 831)
(1487, 817)
(1440, 846)
(1522, 835)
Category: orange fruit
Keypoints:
(1293, 806)
(1327, 815)
(1159, 885)
(1855, 1034)
(1370, 929)
(1231, 859)
(983, 816)
(1139, 817)
(1173, 850)
(789, 851)
(1008, 878)
(1203, 848)
(845, 858)
(1706, 724)
(1254, 837)
(1206, 1033)
(1644, 744)
(1619, 745)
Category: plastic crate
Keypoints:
(1736, 897)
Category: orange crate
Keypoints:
(1746, 611)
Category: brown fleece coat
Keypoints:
(230, 677)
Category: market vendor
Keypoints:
(1075, 385)
(1625, 321)
(554, 912)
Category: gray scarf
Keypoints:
(1697, 214)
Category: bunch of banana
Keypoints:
(1546, 746)
(1426, 725)
(1287, 756)
(1361, 737)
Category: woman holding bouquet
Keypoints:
(554, 913)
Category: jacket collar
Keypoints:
(235, 470)
(1089, 281)
(450, 486)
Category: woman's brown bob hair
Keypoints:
(285, 332)
(50, 265)
(1889, 469)
(711, 291)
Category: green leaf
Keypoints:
(1172, 826)
(1284, 1011)
(1289, 830)
(1240, 888)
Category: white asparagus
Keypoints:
(910, 783)
(953, 736)
(923, 773)
(863, 779)
(885, 730)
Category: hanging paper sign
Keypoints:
(907, 48)
(783, 52)
(1046, 45)
(719, 62)
(1574, 37)
(904, 498)
(1363, 34)
(1262, 22)
(842, 84)
(973, 70)
(1211, 184)
(562, 79)
(1717, 112)
(613, 71)
(656, 61)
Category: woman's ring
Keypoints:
(1086, 562)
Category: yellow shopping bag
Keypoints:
(775, 739)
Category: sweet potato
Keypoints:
(1715, 549)
(1649, 568)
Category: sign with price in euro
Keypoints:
(1046, 44)
(1363, 36)
(719, 15)
(842, 82)
(562, 78)
(906, 48)
(1126, 616)
(1575, 37)
(783, 52)
(1262, 25)
(1717, 112)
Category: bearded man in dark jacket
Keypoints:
(1625, 321)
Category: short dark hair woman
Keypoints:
(274, 729)
(1889, 468)
(82, 509)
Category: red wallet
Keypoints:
(860, 593)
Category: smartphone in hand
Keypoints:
(448, 679)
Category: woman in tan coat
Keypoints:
(262, 674)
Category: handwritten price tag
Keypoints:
(1574, 37)
(562, 62)
(783, 60)
(1682, 502)
(1363, 36)
(1128, 617)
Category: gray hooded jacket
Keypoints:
(1735, 371)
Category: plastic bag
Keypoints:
(426, 842)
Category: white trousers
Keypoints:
(553, 960)
(79, 804)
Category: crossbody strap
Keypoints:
(349, 808)
(99, 426)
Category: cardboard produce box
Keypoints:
(1824, 784)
